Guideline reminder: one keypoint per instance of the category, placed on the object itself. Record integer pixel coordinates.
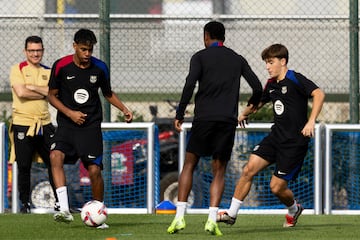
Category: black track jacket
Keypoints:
(217, 69)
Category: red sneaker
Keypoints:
(291, 221)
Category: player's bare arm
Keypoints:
(76, 116)
(318, 100)
(22, 91)
(114, 100)
(243, 117)
(177, 125)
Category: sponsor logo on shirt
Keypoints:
(278, 107)
(81, 96)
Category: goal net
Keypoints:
(260, 195)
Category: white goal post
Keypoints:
(3, 168)
(149, 127)
(265, 127)
(330, 131)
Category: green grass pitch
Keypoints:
(149, 226)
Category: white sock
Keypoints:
(212, 213)
(180, 209)
(234, 207)
(293, 209)
(63, 198)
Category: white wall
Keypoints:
(30, 7)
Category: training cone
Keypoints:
(165, 207)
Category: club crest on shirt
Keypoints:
(21, 135)
(284, 89)
(44, 77)
(93, 78)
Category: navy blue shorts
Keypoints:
(288, 156)
(214, 139)
(85, 144)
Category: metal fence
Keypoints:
(151, 42)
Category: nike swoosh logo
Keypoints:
(91, 156)
(70, 77)
(271, 90)
(281, 173)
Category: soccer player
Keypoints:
(217, 70)
(31, 127)
(287, 143)
(73, 91)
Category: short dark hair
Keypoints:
(33, 39)
(85, 36)
(275, 51)
(216, 30)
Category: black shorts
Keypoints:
(288, 156)
(214, 139)
(85, 144)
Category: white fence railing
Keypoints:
(322, 168)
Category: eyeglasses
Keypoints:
(32, 51)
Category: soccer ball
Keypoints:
(94, 213)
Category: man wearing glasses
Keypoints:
(31, 127)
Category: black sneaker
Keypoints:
(225, 218)
(25, 208)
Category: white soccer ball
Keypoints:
(94, 213)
